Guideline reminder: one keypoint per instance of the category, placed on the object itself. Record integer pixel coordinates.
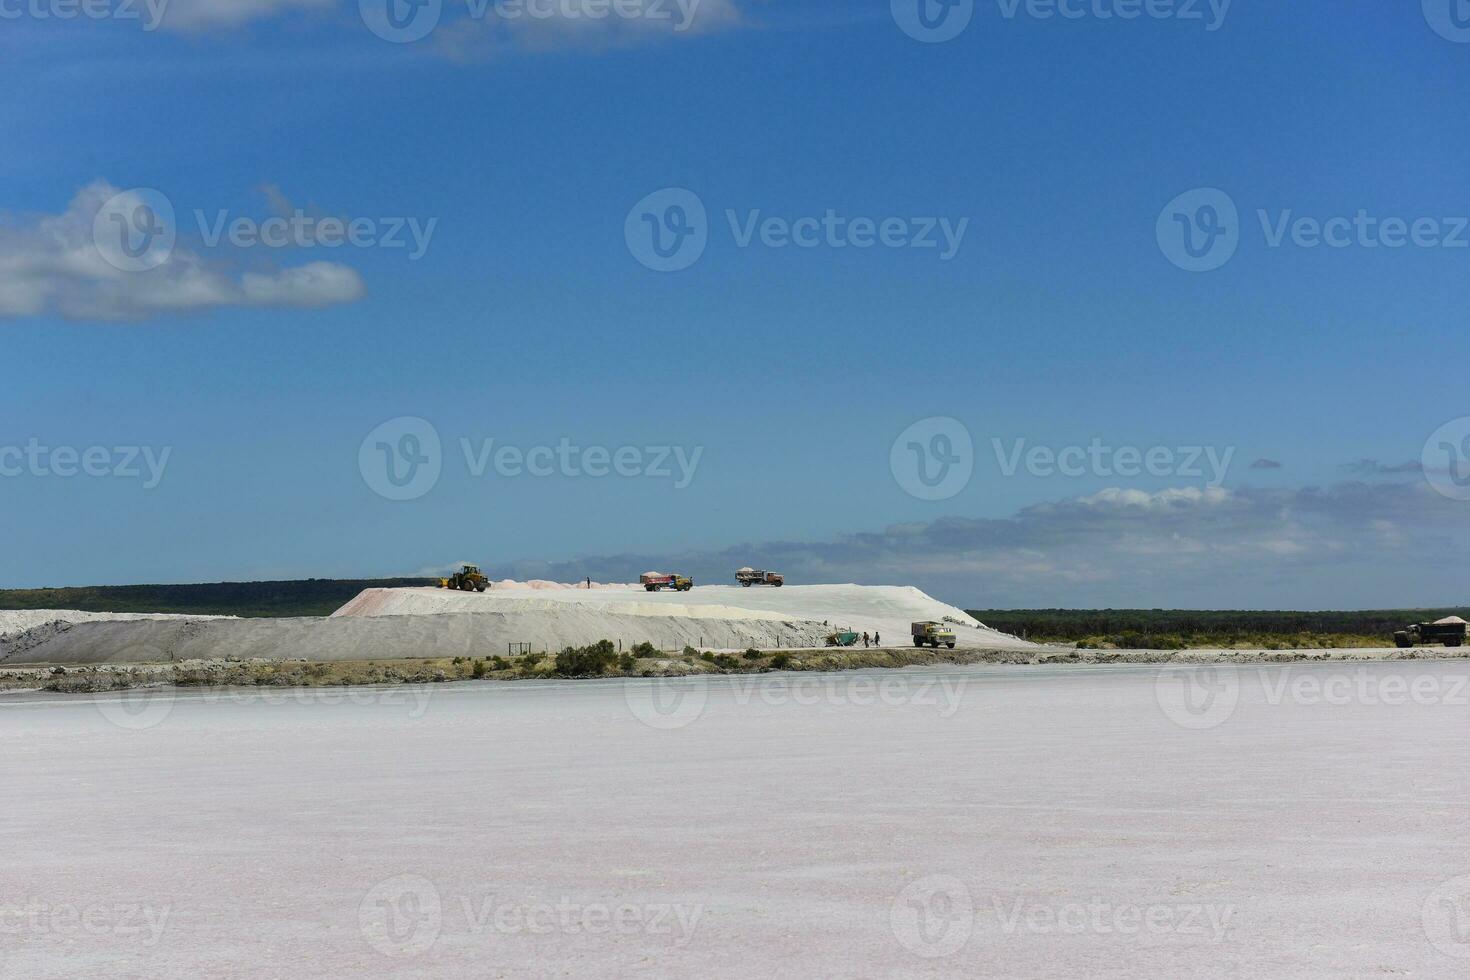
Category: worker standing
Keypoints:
(865, 638)
(876, 641)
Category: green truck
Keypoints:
(931, 633)
(1450, 632)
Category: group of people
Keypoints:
(875, 638)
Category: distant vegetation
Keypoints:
(1174, 629)
(308, 597)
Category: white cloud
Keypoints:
(53, 264)
(1354, 545)
(205, 15)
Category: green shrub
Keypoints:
(478, 670)
(645, 650)
(689, 651)
(753, 654)
(590, 661)
(781, 661)
(499, 663)
(707, 657)
(627, 662)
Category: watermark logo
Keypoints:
(1446, 918)
(1446, 459)
(933, 917)
(150, 12)
(136, 709)
(122, 922)
(39, 461)
(402, 458)
(933, 459)
(1199, 230)
(1198, 698)
(668, 230)
(667, 703)
(1211, 13)
(135, 230)
(1100, 917)
(567, 459)
(1209, 463)
(402, 916)
(933, 21)
(1450, 19)
(401, 21)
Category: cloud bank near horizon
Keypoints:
(1352, 545)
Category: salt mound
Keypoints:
(883, 609)
(21, 620)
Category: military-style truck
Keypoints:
(1450, 632)
(933, 633)
(658, 581)
(755, 576)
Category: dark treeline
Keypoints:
(1072, 625)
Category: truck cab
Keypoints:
(932, 633)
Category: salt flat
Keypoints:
(1018, 822)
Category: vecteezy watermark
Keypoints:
(932, 21)
(669, 230)
(403, 458)
(406, 21)
(150, 12)
(1450, 19)
(936, 916)
(41, 462)
(137, 230)
(1446, 459)
(933, 917)
(1099, 917)
(1205, 697)
(1446, 918)
(301, 230)
(1102, 460)
(126, 922)
(404, 917)
(933, 459)
(1198, 698)
(669, 703)
(1209, 13)
(1200, 230)
(134, 230)
(935, 21)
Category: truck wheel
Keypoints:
(1452, 643)
(950, 645)
(481, 587)
(1401, 640)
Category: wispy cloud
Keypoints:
(1372, 467)
(1265, 464)
(53, 264)
(1351, 544)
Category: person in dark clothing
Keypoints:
(876, 642)
(865, 637)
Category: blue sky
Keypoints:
(1059, 320)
